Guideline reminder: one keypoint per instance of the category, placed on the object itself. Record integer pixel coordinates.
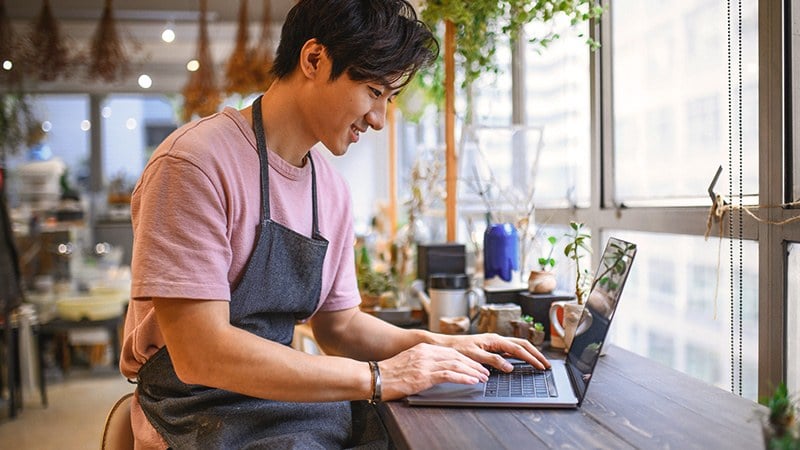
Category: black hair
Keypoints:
(373, 40)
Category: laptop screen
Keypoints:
(598, 311)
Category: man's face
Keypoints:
(347, 108)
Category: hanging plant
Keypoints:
(12, 50)
(51, 55)
(263, 53)
(200, 94)
(239, 78)
(16, 122)
(109, 61)
(479, 24)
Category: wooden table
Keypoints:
(633, 402)
(60, 327)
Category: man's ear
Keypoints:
(311, 56)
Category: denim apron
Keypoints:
(281, 284)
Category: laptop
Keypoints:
(564, 384)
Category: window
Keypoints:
(65, 120)
(133, 125)
(670, 100)
(794, 38)
(557, 101)
(793, 317)
(699, 290)
(702, 363)
(661, 347)
(683, 320)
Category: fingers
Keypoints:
(524, 350)
(425, 365)
(491, 347)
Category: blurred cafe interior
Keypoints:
(667, 124)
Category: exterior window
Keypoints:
(557, 101)
(65, 118)
(133, 126)
(793, 317)
(675, 309)
(670, 97)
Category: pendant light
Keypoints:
(200, 94)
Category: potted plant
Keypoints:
(536, 332)
(372, 285)
(564, 315)
(526, 328)
(781, 429)
(543, 281)
(576, 249)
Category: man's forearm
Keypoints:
(365, 337)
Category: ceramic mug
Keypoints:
(451, 296)
(564, 317)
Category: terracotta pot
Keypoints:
(541, 282)
(536, 336)
(369, 301)
(521, 328)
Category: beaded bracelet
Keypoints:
(376, 382)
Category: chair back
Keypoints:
(118, 432)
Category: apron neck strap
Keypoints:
(261, 144)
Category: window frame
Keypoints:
(604, 211)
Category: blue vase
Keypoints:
(500, 252)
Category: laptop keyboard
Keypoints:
(523, 381)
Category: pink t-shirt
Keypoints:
(195, 213)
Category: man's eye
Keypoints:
(375, 92)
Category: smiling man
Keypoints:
(242, 228)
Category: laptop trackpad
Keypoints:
(454, 390)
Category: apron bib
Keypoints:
(281, 285)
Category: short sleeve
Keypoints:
(181, 246)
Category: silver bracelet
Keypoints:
(376, 382)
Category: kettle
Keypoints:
(450, 296)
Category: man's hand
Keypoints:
(492, 349)
(424, 366)
(453, 359)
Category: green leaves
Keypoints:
(578, 240)
(549, 261)
(785, 433)
(481, 23)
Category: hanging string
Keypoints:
(736, 270)
(719, 209)
(741, 197)
(730, 185)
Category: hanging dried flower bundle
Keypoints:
(51, 55)
(263, 53)
(109, 60)
(239, 78)
(200, 94)
(11, 49)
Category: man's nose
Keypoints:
(376, 117)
